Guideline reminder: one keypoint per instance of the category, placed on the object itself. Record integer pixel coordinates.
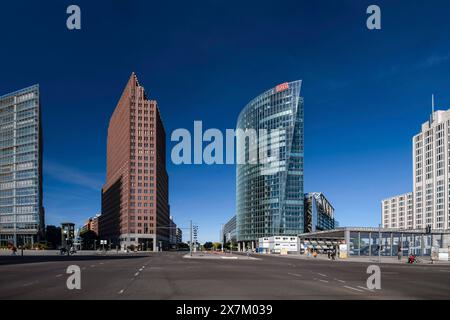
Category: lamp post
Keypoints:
(379, 243)
(190, 243)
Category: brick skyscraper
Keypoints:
(135, 197)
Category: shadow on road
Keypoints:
(9, 260)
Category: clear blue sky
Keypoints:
(366, 92)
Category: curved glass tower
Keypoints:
(270, 199)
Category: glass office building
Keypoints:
(21, 211)
(319, 213)
(270, 198)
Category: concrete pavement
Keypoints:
(168, 275)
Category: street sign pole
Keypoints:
(190, 243)
(379, 243)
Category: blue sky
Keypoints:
(366, 92)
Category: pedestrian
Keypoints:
(329, 254)
(14, 250)
(399, 253)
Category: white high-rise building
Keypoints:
(431, 171)
(398, 212)
(429, 202)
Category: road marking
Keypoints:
(441, 270)
(295, 274)
(323, 280)
(321, 274)
(341, 281)
(136, 274)
(121, 291)
(348, 287)
(59, 275)
(141, 269)
(30, 283)
(365, 288)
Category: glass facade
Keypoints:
(270, 198)
(21, 212)
(386, 242)
(319, 213)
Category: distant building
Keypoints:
(179, 236)
(173, 232)
(135, 197)
(319, 213)
(90, 225)
(229, 231)
(21, 146)
(67, 234)
(398, 212)
(53, 236)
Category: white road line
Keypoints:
(295, 274)
(136, 274)
(323, 280)
(30, 283)
(365, 288)
(353, 289)
(341, 281)
(121, 291)
(59, 275)
(321, 274)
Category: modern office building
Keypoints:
(172, 232)
(179, 236)
(319, 213)
(398, 212)
(229, 231)
(270, 199)
(21, 209)
(135, 197)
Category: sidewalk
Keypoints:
(34, 253)
(218, 256)
(367, 259)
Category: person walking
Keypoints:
(399, 254)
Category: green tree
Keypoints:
(208, 245)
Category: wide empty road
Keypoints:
(170, 276)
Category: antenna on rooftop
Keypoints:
(432, 109)
(432, 103)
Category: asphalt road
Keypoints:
(170, 276)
